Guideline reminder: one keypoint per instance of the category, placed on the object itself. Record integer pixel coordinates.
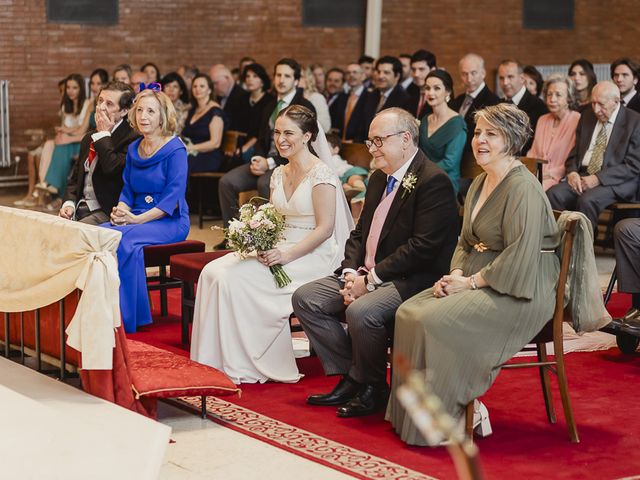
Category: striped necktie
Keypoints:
(597, 154)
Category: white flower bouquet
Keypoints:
(259, 228)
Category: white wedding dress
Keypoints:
(241, 317)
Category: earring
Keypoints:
(448, 98)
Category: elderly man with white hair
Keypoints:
(233, 99)
(604, 164)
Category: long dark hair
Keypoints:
(587, 66)
(174, 77)
(207, 79)
(67, 103)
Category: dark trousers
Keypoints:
(238, 180)
(626, 237)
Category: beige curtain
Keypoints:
(43, 258)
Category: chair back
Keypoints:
(231, 142)
(470, 169)
(356, 154)
(560, 313)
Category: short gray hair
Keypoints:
(560, 78)
(405, 122)
(511, 122)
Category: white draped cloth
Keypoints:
(43, 258)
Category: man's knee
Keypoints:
(627, 229)
(363, 317)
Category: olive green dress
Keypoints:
(462, 339)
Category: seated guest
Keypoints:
(231, 97)
(256, 81)
(367, 63)
(319, 76)
(240, 321)
(75, 121)
(187, 72)
(402, 243)
(152, 72)
(501, 286)
(422, 62)
(175, 88)
(308, 86)
(204, 128)
(122, 73)
(137, 80)
(556, 132)
(443, 133)
(624, 73)
(533, 80)
(97, 80)
(405, 78)
(511, 79)
(603, 166)
(477, 94)
(626, 237)
(347, 111)
(388, 93)
(258, 173)
(152, 209)
(584, 79)
(334, 84)
(96, 181)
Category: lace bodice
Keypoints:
(298, 210)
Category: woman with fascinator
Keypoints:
(152, 209)
(241, 317)
(501, 287)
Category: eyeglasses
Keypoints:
(379, 141)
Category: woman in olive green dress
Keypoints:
(501, 286)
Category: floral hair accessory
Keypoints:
(409, 183)
(155, 87)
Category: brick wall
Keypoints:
(34, 55)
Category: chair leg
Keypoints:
(544, 380)
(164, 310)
(468, 420)
(203, 406)
(566, 401)
(200, 214)
(612, 282)
(187, 294)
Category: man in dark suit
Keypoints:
(96, 179)
(511, 81)
(422, 62)
(367, 63)
(333, 84)
(604, 164)
(388, 92)
(401, 245)
(233, 99)
(257, 174)
(624, 73)
(476, 95)
(347, 111)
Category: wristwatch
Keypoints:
(370, 286)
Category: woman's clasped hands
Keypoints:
(451, 284)
(121, 216)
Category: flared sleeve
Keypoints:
(176, 174)
(513, 271)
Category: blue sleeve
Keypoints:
(127, 195)
(176, 186)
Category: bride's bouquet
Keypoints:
(258, 228)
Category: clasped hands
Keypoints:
(582, 184)
(354, 288)
(258, 166)
(121, 216)
(272, 257)
(450, 285)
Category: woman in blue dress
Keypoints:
(152, 209)
(443, 133)
(204, 127)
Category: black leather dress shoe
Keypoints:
(370, 399)
(344, 391)
(631, 326)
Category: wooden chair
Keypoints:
(357, 154)
(230, 142)
(552, 331)
(470, 169)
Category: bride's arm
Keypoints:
(324, 209)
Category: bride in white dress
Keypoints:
(241, 317)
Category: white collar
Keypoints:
(400, 172)
(477, 91)
(627, 98)
(117, 125)
(614, 115)
(406, 82)
(518, 96)
(358, 91)
(288, 98)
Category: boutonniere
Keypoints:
(408, 183)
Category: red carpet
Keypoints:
(524, 444)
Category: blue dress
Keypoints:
(198, 132)
(158, 181)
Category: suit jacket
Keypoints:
(621, 162)
(356, 130)
(414, 101)
(485, 98)
(397, 98)
(419, 234)
(265, 136)
(107, 174)
(634, 103)
(236, 108)
(535, 108)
